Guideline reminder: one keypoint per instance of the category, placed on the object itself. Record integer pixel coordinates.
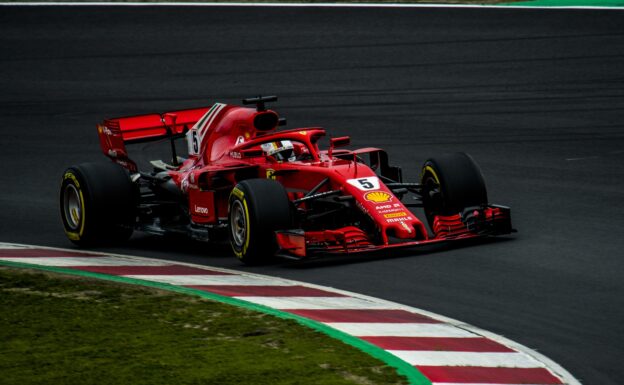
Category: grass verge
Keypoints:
(68, 330)
(473, 2)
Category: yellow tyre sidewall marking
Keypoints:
(433, 173)
(247, 226)
(241, 196)
(72, 235)
(237, 193)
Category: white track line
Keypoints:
(493, 360)
(474, 383)
(304, 5)
(368, 329)
(85, 261)
(7, 246)
(212, 280)
(316, 303)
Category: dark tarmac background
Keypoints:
(536, 96)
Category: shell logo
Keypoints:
(378, 196)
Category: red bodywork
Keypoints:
(224, 144)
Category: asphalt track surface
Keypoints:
(536, 96)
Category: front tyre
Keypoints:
(257, 208)
(97, 202)
(451, 182)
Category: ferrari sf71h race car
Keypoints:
(269, 191)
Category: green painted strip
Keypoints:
(206, 115)
(568, 3)
(414, 376)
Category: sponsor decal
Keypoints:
(384, 209)
(238, 193)
(406, 227)
(201, 210)
(240, 140)
(72, 236)
(398, 220)
(365, 184)
(396, 215)
(69, 175)
(303, 132)
(104, 130)
(270, 174)
(378, 196)
(235, 155)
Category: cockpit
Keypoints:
(286, 150)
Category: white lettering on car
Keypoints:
(369, 183)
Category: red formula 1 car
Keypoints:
(271, 192)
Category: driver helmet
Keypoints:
(282, 150)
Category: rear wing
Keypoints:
(115, 133)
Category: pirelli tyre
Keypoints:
(257, 208)
(98, 202)
(451, 182)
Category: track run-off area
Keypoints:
(534, 95)
(425, 347)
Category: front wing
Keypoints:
(473, 222)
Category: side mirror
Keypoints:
(340, 141)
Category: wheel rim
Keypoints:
(72, 206)
(238, 223)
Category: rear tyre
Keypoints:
(98, 203)
(257, 208)
(451, 182)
